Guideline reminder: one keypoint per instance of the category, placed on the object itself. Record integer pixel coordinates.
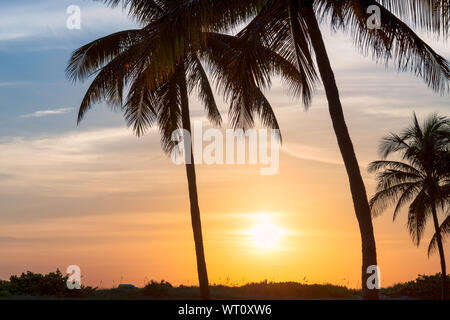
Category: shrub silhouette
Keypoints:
(157, 289)
(424, 287)
(36, 284)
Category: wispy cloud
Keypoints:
(80, 164)
(307, 152)
(43, 113)
(13, 84)
(42, 24)
(12, 36)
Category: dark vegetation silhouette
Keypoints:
(31, 285)
(42, 285)
(424, 287)
(421, 179)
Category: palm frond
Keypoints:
(395, 165)
(279, 28)
(391, 177)
(300, 43)
(387, 197)
(108, 86)
(91, 57)
(405, 198)
(444, 230)
(198, 79)
(141, 11)
(237, 81)
(391, 144)
(169, 111)
(428, 15)
(418, 212)
(139, 109)
(395, 40)
(266, 113)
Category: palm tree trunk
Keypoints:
(193, 197)
(441, 253)
(360, 202)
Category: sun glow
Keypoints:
(266, 234)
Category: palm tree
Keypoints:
(291, 28)
(422, 179)
(124, 59)
(146, 63)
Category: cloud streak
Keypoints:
(41, 25)
(44, 113)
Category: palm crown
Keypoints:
(145, 62)
(423, 176)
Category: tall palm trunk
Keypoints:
(441, 253)
(360, 202)
(192, 182)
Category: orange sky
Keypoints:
(123, 216)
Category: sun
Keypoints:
(266, 234)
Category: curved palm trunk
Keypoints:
(441, 253)
(360, 202)
(193, 197)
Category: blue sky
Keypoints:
(35, 46)
(54, 174)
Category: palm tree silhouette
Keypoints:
(159, 81)
(422, 179)
(124, 59)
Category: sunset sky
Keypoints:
(96, 196)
